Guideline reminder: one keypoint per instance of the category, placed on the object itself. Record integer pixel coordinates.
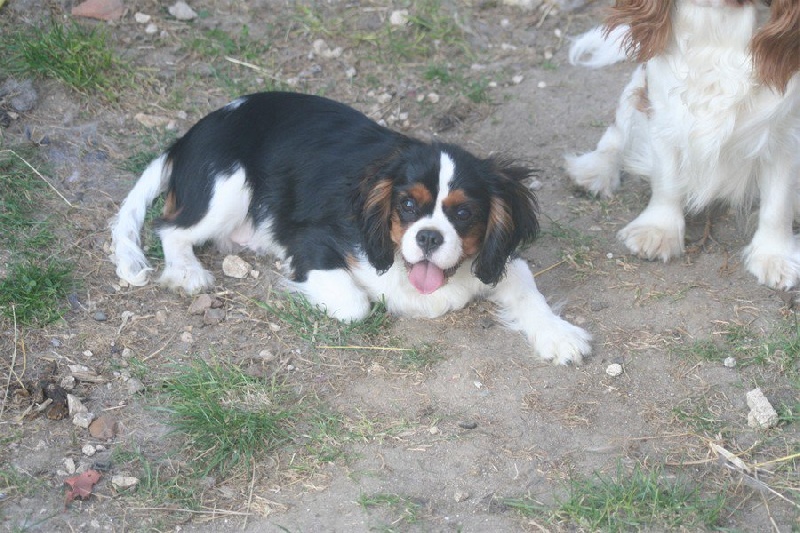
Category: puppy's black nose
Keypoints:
(429, 240)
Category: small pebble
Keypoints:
(399, 17)
(100, 316)
(182, 11)
(82, 420)
(124, 482)
(200, 304)
(88, 450)
(459, 496)
(468, 425)
(234, 266)
(135, 386)
(729, 362)
(614, 370)
(213, 316)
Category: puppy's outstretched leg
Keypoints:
(523, 308)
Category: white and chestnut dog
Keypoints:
(355, 211)
(712, 113)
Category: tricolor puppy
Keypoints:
(356, 212)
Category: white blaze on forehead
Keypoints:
(447, 169)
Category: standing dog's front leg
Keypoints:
(657, 233)
(523, 308)
(773, 256)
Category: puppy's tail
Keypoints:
(597, 48)
(132, 266)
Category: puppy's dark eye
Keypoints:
(463, 214)
(409, 206)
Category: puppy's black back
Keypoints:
(304, 158)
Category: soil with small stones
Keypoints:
(486, 420)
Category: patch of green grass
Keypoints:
(312, 324)
(37, 279)
(549, 64)
(407, 510)
(13, 483)
(34, 292)
(150, 144)
(789, 414)
(576, 246)
(228, 417)
(780, 348)
(431, 29)
(216, 43)
(20, 195)
(698, 413)
(629, 501)
(475, 90)
(79, 56)
(163, 483)
(418, 357)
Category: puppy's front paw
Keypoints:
(561, 342)
(655, 234)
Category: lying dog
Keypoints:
(356, 212)
(712, 113)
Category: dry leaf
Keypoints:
(81, 485)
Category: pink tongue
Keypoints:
(426, 277)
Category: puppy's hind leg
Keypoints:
(226, 212)
(182, 270)
(335, 292)
(599, 171)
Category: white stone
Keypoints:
(614, 369)
(399, 17)
(142, 18)
(730, 362)
(181, 11)
(69, 466)
(74, 405)
(124, 482)
(762, 414)
(234, 266)
(82, 420)
(88, 450)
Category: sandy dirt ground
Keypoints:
(534, 426)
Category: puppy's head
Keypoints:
(435, 207)
(775, 46)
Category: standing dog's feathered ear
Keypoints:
(650, 23)
(374, 218)
(511, 222)
(776, 46)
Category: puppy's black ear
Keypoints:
(374, 217)
(511, 223)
